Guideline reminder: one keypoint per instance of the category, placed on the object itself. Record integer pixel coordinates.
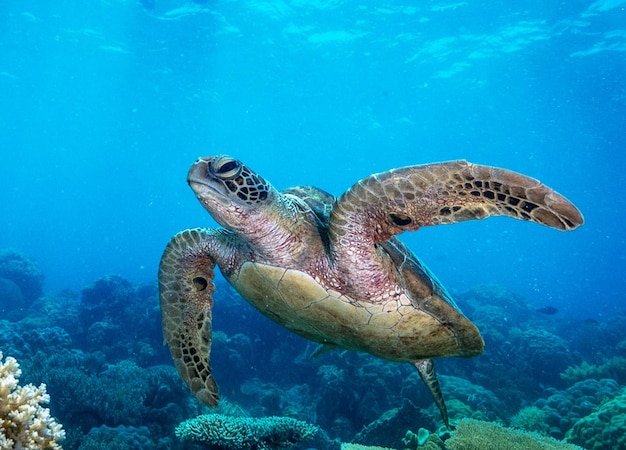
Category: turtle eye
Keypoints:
(225, 167)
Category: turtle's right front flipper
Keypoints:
(186, 297)
(406, 199)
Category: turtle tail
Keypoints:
(186, 296)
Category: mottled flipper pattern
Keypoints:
(426, 370)
(186, 296)
(409, 198)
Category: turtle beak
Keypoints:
(198, 173)
(203, 185)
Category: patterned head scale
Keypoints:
(238, 179)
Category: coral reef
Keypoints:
(563, 408)
(603, 428)
(414, 440)
(390, 428)
(357, 387)
(338, 397)
(24, 272)
(495, 309)
(531, 418)
(473, 434)
(523, 353)
(465, 399)
(614, 367)
(350, 446)
(134, 396)
(59, 310)
(545, 353)
(261, 398)
(460, 410)
(111, 311)
(245, 433)
(509, 303)
(48, 339)
(106, 343)
(121, 438)
(431, 442)
(118, 438)
(425, 440)
(11, 297)
(11, 340)
(24, 422)
(103, 299)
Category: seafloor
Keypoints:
(112, 382)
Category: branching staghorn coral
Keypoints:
(24, 422)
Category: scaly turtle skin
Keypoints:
(331, 269)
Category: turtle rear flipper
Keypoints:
(186, 296)
(426, 370)
(406, 199)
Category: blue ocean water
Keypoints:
(106, 104)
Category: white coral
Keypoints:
(24, 422)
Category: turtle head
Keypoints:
(228, 189)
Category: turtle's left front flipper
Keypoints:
(186, 297)
(406, 199)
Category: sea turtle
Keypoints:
(331, 269)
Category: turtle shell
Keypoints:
(397, 329)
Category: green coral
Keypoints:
(614, 367)
(423, 440)
(603, 428)
(119, 438)
(546, 353)
(460, 410)
(531, 418)
(412, 440)
(350, 446)
(245, 433)
(386, 430)
(467, 400)
(473, 434)
(564, 408)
